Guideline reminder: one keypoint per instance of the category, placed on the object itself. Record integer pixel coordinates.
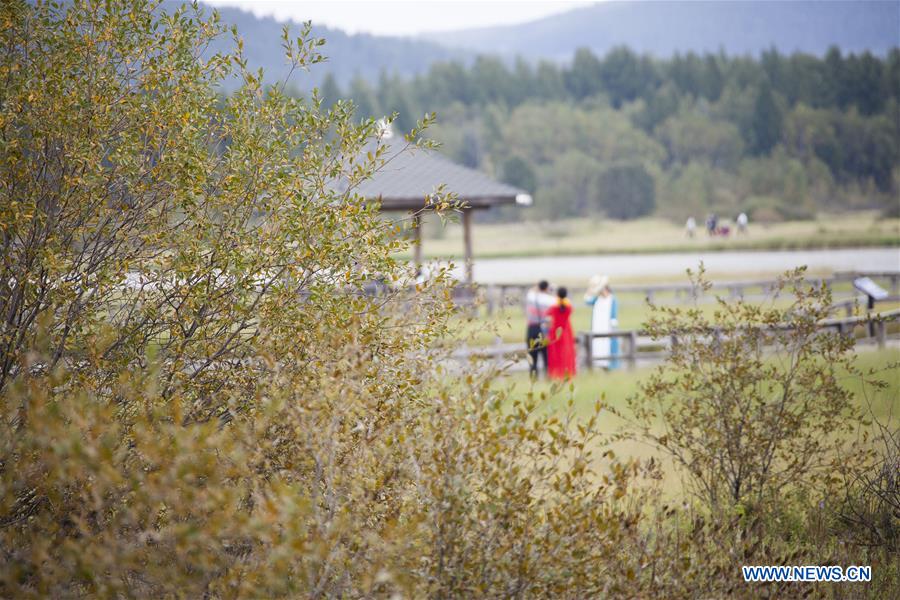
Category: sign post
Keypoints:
(874, 292)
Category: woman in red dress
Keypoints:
(561, 347)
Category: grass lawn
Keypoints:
(614, 387)
(598, 236)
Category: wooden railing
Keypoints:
(638, 345)
(633, 348)
(498, 294)
(847, 306)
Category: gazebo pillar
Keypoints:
(467, 242)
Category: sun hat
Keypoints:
(596, 284)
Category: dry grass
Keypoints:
(597, 236)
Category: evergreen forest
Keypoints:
(624, 135)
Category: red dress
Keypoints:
(561, 348)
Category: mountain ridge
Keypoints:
(652, 27)
(348, 55)
(665, 28)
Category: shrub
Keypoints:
(778, 469)
(869, 511)
(198, 399)
(749, 398)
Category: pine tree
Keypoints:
(767, 121)
(329, 91)
(364, 98)
(584, 78)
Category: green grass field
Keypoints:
(613, 388)
(599, 236)
(618, 384)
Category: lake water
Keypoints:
(672, 266)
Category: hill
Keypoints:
(348, 55)
(658, 28)
(664, 28)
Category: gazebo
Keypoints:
(410, 175)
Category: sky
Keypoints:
(403, 18)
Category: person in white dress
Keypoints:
(604, 319)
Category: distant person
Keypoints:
(604, 319)
(690, 227)
(711, 223)
(537, 301)
(742, 223)
(561, 341)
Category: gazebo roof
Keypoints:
(411, 174)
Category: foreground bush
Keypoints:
(321, 491)
(750, 397)
(198, 399)
(752, 409)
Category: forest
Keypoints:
(780, 137)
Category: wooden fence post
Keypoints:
(588, 351)
(632, 349)
(881, 332)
